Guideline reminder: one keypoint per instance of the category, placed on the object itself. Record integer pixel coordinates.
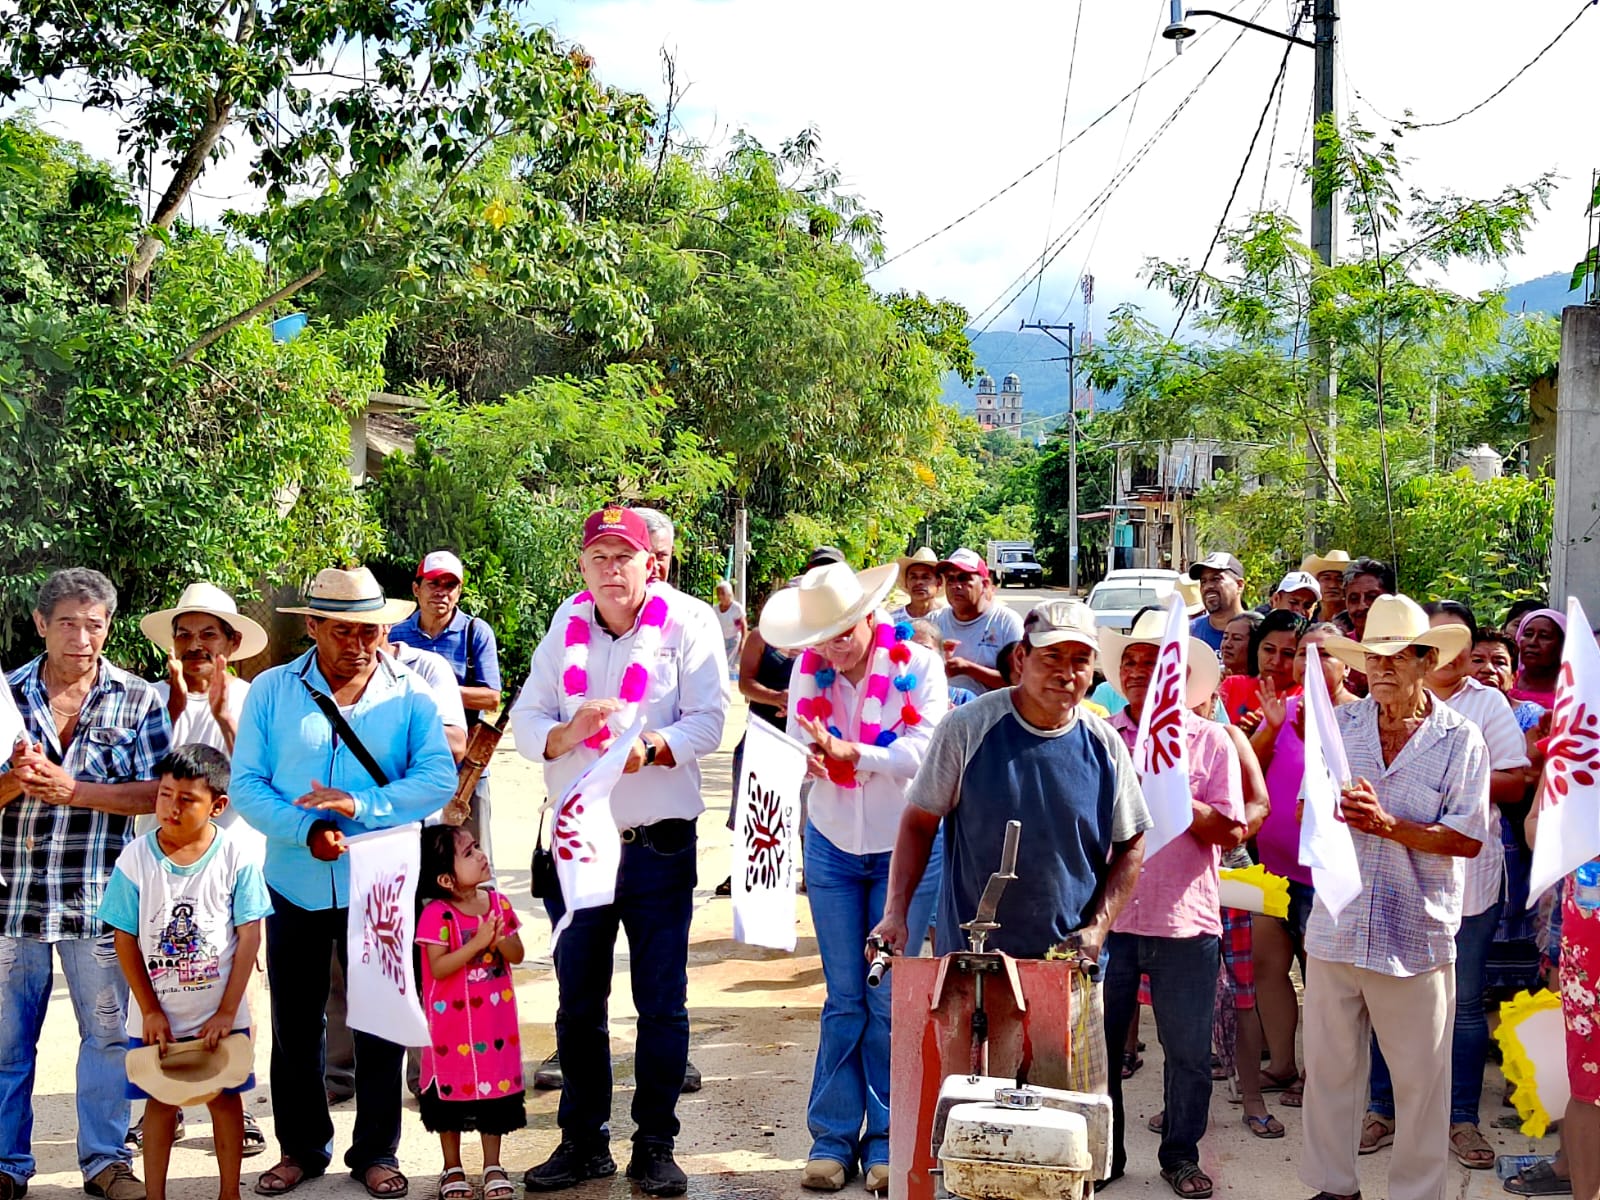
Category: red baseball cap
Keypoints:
(618, 522)
(964, 562)
(441, 563)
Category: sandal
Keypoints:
(1278, 1083)
(1294, 1096)
(1157, 1123)
(1538, 1180)
(1189, 1181)
(1376, 1133)
(135, 1139)
(254, 1140)
(453, 1184)
(1264, 1126)
(497, 1184)
(283, 1176)
(1470, 1147)
(1131, 1062)
(389, 1187)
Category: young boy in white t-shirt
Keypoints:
(186, 903)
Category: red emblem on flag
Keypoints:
(1572, 754)
(384, 929)
(1166, 718)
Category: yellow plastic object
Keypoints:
(1259, 888)
(1532, 1034)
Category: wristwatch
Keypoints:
(649, 753)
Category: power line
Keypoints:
(1492, 96)
(1110, 189)
(1055, 183)
(1042, 163)
(1216, 236)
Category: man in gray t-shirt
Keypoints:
(975, 627)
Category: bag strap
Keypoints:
(472, 679)
(341, 728)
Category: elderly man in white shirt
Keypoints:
(1510, 780)
(865, 698)
(626, 647)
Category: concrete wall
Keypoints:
(1575, 549)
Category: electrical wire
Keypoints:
(1108, 191)
(1216, 236)
(1061, 135)
(1492, 96)
(1046, 160)
(1272, 144)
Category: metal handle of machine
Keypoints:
(880, 961)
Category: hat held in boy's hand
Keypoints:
(188, 1073)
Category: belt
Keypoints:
(669, 836)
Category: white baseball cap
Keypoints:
(1300, 581)
(440, 563)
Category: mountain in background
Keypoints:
(1044, 382)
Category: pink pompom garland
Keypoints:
(635, 676)
(815, 700)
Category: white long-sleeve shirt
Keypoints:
(865, 819)
(686, 703)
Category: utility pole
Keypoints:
(1072, 442)
(1325, 19)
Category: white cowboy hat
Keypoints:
(1333, 560)
(1147, 631)
(829, 600)
(189, 1074)
(352, 595)
(925, 556)
(213, 602)
(1393, 624)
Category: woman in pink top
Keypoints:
(1540, 639)
(1280, 747)
(1272, 647)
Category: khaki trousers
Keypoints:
(1413, 1019)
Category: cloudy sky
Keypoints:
(929, 108)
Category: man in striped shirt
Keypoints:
(84, 768)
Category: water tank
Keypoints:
(1484, 462)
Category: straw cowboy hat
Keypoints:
(189, 1074)
(1333, 560)
(1147, 630)
(830, 600)
(925, 556)
(211, 600)
(1393, 624)
(351, 596)
(1189, 589)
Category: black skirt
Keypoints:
(503, 1114)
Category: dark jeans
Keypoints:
(1469, 1044)
(654, 901)
(300, 948)
(1183, 989)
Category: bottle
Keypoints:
(1586, 886)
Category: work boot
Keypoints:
(824, 1175)
(548, 1077)
(691, 1078)
(571, 1164)
(116, 1182)
(655, 1171)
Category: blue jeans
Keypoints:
(1183, 990)
(850, 1086)
(99, 996)
(654, 902)
(1469, 1044)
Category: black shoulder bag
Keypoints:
(542, 879)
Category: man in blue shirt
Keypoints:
(1221, 579)
(299, 779)
(467, 644)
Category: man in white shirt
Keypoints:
(436, 672)
(626, 648)
(730, 616)
(1511, 778)
(974, 626)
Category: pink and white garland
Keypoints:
(885, 671)
(635, 676)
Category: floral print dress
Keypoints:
(1580, 978)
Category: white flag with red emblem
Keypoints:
(1325, 842)
(766, 837)
(1161, 748)
(584, 838)
(1568, 806)
(380, 988)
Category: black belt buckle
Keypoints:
(669, 836)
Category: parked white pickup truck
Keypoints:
(1014, 562)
